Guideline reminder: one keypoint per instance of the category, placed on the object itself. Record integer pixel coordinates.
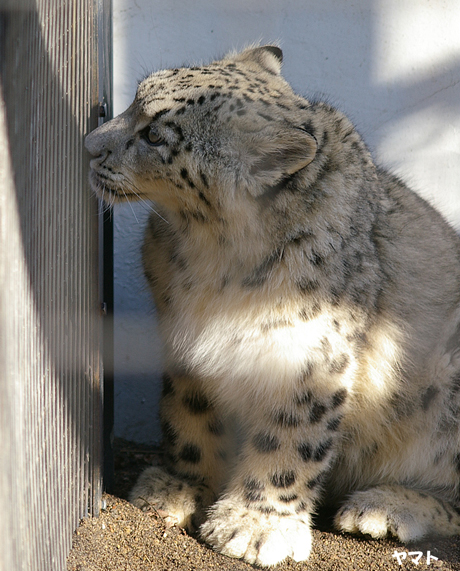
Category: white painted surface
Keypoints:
(392, 65)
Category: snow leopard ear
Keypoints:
(277, 155)
(269, 58)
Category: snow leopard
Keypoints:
(309, 308)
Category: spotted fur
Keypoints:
(310, 309)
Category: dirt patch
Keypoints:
(123, 538)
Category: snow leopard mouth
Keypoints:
(109, 191)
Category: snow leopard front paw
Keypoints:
(259, 538)
(406, 514)
(177, 500)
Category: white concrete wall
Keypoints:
(392, 65)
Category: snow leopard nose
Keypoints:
(107, 137)
(99, 159)
(97, 142)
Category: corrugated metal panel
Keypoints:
(50, 323)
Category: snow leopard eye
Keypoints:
(152, 137)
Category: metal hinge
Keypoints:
(102, 109)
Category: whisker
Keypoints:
(131, 206)
(145, 203)
(107, 204)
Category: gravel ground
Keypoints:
(123, 538)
